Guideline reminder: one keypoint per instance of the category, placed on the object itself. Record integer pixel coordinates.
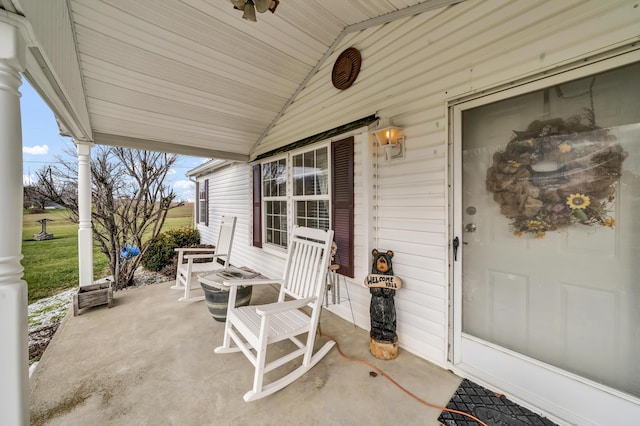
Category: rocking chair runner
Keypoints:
(186, 270)
(253, 328)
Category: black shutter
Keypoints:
(206, 202)
(197, 197)
(257, 206)
(342, 202)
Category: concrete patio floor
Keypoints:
(149, 361)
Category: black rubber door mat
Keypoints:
(493, 409)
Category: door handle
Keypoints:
(456, 244)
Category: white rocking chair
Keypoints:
(253, 328)
(186, 270)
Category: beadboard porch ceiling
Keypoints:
(185, 76)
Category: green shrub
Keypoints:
(161, 251)
(158, 253)
(184, 237)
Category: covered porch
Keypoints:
(150, 360)
(192, 77)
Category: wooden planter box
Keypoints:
(92, 295)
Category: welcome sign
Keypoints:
(383, 281)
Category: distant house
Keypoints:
(53, 206)
(509, 202)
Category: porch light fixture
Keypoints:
(390, 138)
(249, 7)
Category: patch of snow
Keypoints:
(32, 368)
(49, 310)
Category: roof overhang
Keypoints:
(185, 77)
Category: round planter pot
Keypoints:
(218, 299)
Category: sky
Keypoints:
(42, 143)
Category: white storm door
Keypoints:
(546, 287)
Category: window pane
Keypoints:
(322, 177)
(313, 214)
(308, 182)
(266, 190)
(202, 204)
(203, 211)
(322, 159)
(310, 173)
(276, 222)
(323, 224)
(297, 175)
(274, 178)
(281, 178)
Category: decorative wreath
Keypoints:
(557, 173)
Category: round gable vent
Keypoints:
(346, 69)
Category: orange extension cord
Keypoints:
(379, 371)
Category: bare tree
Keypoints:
(59, 185)
(33, 198)
(130, 200)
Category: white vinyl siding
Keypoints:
(410, 69)
(230, 187)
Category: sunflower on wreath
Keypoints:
(557, 173)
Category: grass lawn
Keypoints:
(51, 266)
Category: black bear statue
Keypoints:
(382, 309)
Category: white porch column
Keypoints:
(14, 356)
(85, 231)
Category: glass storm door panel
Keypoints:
(549, 222)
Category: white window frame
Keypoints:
(289, 197)
(311, 197)
(202, 202)
(267, 198)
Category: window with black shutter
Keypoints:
(308, 197)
